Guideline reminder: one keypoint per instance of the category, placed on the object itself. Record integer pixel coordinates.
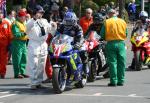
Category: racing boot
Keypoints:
(132, 66)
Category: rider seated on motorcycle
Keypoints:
(141, 25)
(70, 27)
(98, 20)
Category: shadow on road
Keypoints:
(24, 89)
(88, 85)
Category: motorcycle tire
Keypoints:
(138, 61)
(58, 82)
(92, 71)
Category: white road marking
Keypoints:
(97, 94)
(4, 96)
(132, 95)
(4, 92)
(102, 95)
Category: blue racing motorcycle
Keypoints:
(66, 63)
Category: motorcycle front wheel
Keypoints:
(92, 71)
(58, 80)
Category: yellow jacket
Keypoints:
(115, 29)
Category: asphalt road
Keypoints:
(135, 90)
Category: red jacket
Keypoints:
(5, 33)
(85, 23)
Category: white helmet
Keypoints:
(143, 14)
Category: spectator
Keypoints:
(11, 19)
(112, 5)
(19, 48)
(55, 16)
(5, 37)
(87, 20)
(30, 6)
(132, 10)
(38, 30)
(107, 8)
(114, 32)
(48, 67)
(28, 17)
(11, 16)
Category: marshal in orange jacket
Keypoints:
(5, 39)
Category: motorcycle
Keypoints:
(97, 60)
(140, 45)
(62, 56)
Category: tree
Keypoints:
(103, 2)
(85, 4)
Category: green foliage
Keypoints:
(125, 16)
(89, 4)
(9, 4)
(103, 2)
(86, 4)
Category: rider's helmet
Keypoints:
(98, 18)
(70, 18)
(143, 16)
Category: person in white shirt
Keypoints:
(37, 31)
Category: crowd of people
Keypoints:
(26, 34)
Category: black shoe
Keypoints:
(9, 62)
(35, 87)
(47, 81)
(131, 67)
(120, 84)
(112, 85)
(2, 77)
(25, 76)
(19, 77)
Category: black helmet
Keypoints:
(38, 8)
(98, 18)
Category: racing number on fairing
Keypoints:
(91, 45)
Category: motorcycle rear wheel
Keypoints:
(58, 81)
(102, 63)
(138, 61)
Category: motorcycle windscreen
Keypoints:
(92, 35)
(60, 44)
